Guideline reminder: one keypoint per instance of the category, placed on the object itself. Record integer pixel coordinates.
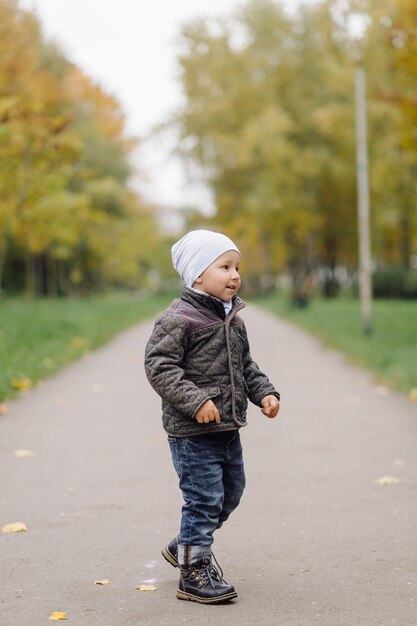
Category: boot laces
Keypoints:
(216, 570)
(208, 573)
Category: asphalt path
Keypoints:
(317, 538)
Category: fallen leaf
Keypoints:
(381, 390)
(3, 408)
(102, 582)
(23, 454)
(16, 527)
(399, 462)
(413, 394)
(22, 384)
(387, 480)
(145, 587)
(58, 616)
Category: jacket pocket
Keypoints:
(211, 390)
(214, 393)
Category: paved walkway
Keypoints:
(315, 541)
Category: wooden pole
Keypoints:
(365, 280)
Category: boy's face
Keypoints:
(221, 279)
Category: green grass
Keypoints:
(39, 337)
(390, 351)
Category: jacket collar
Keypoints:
(210, 302)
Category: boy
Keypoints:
(198, 360)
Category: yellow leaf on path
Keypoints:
(145, 587)
(57, 616)
(16, 527)
(102, 582)
(23, 454)
(3, 408)
(387, 480)
(22, 384)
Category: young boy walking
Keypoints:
(198, 360)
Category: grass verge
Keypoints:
(390, 351)
(39, 337)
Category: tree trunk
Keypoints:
(51, 276)
(29, 275)
(3, 253)
(405, 238)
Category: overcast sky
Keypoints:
(130, 48)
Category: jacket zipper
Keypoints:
(240, 305)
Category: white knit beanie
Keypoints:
(198, 249)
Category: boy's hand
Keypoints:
(207, 413)
(270, 406)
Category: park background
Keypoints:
(266, 124)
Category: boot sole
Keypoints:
(181, 595)
(169, 557)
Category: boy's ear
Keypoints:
(198, 280)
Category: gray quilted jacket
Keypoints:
(196, 353)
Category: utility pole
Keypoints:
(365, 280)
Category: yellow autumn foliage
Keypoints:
(64, 171)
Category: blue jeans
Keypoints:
(212, 480)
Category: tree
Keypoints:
(65, 200)
(269, 118)
(259, 119)
(393, 75)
